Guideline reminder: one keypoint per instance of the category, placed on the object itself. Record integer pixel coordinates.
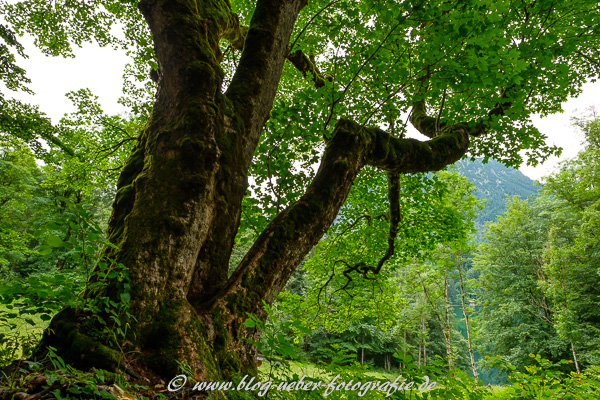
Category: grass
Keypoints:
(315, 371)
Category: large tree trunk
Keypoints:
(178, 203)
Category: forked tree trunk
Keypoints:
(178, 203)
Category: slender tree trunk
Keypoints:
(424, 353)
(575, 358)
(362, 352)
(420, 350)
(444, 323)
(404, 347)
(421, 340)
(566, 306)
(466, 314)
(446, 327)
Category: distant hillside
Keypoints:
(494, 182)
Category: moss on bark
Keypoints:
(82, 350)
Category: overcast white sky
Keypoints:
(100, 70)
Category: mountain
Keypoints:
(494, 182)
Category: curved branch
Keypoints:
(431, 127)
(293, 232)
(395, 217)
(422, 122)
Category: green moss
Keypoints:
(216, 10)
(75, 347)
(237, 303)
(125, 196)
(133, 166)
(203, 69)
(161, 339)
(221, 335)
(229, 362)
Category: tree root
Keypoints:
(83, 351)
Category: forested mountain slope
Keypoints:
(494, 182)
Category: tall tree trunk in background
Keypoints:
(467, 324)
(421, 338)
(575, 358)
(404, 348)
(179, 197)
(446, 325)
(444, 322)
(362, 352)
(424, 353)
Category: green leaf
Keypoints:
(54, 241)
(44, 250)
(125, 298)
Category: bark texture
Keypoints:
(178, 203)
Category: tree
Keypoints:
(571, 252)
(541, 260)
(229, 105)
(516, 316)
(19, 177)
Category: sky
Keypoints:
(101, 69)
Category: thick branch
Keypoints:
(422, 122)
(394, 219)
(255, 81)
(410, 155)
(303, 63)
(431, 127)
(289, 237)
(307, 67)
(235, 34)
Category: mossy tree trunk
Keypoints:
(178, 203)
